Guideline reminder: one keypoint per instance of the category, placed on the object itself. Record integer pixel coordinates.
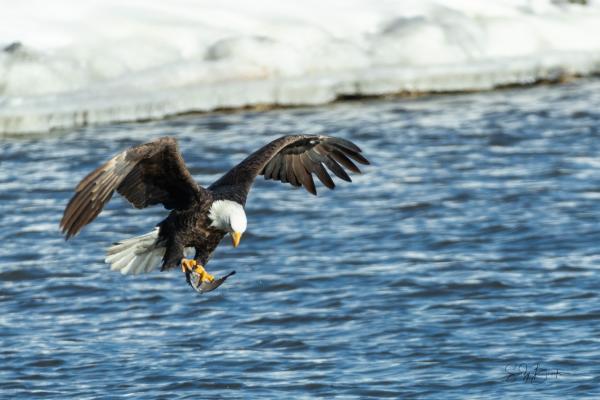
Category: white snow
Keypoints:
(69, 63)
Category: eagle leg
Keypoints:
(188, 266)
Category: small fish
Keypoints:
(202, 286)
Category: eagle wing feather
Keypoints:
(293, 159)
(145, 175)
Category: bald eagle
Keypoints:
(155, 172)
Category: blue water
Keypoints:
(466, 255)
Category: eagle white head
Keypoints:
(230, 217)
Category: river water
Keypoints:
(465, 257)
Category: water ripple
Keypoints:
(468, 246)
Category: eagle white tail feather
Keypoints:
(135, 255)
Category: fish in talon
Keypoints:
(202, 286)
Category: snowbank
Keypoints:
(69, 63)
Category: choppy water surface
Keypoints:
(470, 247)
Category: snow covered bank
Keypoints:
(69, 63)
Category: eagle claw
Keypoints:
(192, 266)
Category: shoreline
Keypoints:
(558, 79)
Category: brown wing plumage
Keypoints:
(295, 159)
(145, 175)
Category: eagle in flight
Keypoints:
(200, 217)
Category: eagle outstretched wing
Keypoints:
(145, 175)
(293, 159)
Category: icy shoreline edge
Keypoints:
(78, 111)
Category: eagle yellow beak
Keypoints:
(235, 238)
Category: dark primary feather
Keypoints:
(294, 159)
(145, 175)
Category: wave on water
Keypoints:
(86, 63)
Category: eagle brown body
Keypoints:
(189, 228)
(155, 173)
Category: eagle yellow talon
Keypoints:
(188, 265)
(193, 266)
(204, 275)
